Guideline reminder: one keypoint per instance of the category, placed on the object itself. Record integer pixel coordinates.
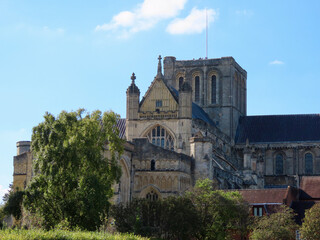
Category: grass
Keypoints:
(17, 234)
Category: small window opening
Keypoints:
(153, 165)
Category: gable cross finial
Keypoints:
(133, 77)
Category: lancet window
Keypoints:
(308, 158)
(197, 89)
(159, 136)
(152, 196)
(279, 164)
(213, 89)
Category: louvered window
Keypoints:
(213, 89)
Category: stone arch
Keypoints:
(124, 182)
(197, 85)
(160, 135)
(148, 189)
(213, 98)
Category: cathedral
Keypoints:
(192, 124)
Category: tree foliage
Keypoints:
(280, 225)
(222, 214)
(73, 176)
(310, 229)
(13, 203)
(170, 218)
(201, 214)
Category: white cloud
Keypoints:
(276, 62)
(144, 17)
(3, 191)
(244, 12)
(195, 22)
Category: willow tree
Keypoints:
(73, 175)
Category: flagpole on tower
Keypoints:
(206, 34)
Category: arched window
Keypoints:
(213, 89)
(152, 196)
(279, 164)
(308, 158)
(161, 137)
(197, 89)
(180, 82)
(153, 165)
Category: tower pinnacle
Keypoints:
(159, 73)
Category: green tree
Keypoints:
(280, 225)
(73, 172)
(13, 203)
(310, 229)
(221, 214)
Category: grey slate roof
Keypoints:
(278, 128)
(121, 125)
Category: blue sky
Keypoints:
(65, 55)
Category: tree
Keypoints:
(278, 225)
(222, 214)
(73, 172)
(170, 218)
(310, 229)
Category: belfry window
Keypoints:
(308, 158)
(197, 89)
(180, 82)
(161, 137)
(279, 164)
(152, 196)
(213, 89)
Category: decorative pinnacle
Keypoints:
(159, 73)
(133, 77)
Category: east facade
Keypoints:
(192, 124)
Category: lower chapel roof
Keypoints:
(278, 128)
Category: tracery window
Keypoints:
(308, 158)
(197, 89)
(279, 164)
(152, 196)
(213, 89)
(161, 137)
(180, 82)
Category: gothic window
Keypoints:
(161, 137)
(197, 89)
(158, 103)
(279, 164)
(152, 196)
(308, 158)
(213, 89)
(153, 165)
(180, 82)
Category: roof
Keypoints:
(278, 128)
(255, 196)
(310, 187)
(121, 125)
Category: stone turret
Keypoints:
(133, 95)
(185, 101)
(22, 147)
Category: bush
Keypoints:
(63, 235)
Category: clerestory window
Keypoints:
(159, 136)
(308, 158)
(279, 164)
(180, 82)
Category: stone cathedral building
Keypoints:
(192, 124)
